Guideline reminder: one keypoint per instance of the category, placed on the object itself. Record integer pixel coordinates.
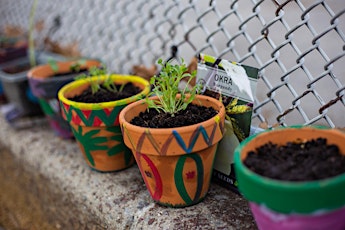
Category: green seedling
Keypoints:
(76, 67)
(166, 88)
(53, 65)
(107, 84)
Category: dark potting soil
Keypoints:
(192, 115)
(307, 161)
(71, 73)
(104, 95)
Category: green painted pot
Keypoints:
(284, 205)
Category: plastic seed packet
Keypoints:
(235, 84)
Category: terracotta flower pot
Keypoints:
(45, 87)
(175, 163)
(96, 125)
(282, 205)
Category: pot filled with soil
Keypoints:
(93, 117)
(174, 149)
(45, 82)
(294, 177)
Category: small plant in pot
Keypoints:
(92, 105)
(173, 143)
(45, 82)
(294, 177)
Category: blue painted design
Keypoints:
(193, 140)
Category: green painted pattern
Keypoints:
(108, 120)
(120, 146)
(46, 107)
(179, 181)
(89, 142)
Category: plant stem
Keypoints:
(31, 36)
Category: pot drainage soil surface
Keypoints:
(192, 115)
(103, 95)
(297, 161)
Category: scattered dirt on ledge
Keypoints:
(18, 209)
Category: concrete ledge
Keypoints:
(72, 196)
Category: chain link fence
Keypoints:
(298, 45)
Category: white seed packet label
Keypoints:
(232, 81)
(235, 84)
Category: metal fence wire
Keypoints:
(298, 45)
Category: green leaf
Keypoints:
(53, 65)
(166, 87)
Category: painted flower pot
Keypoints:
(284, 205)
(45, 87)
(96, 125)
(175, 163)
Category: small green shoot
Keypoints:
(166, 87)
(107, 84)
(53, 65)
(76, 66)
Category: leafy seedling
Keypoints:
(53, 65)
(107, 84)
(76, 67)
(166, 88)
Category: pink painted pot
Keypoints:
(290, 205)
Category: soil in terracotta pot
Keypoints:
(192, 115)
(104, 95)
(298, 161)
(71, 73)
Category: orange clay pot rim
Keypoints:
(94, 106)
(216, 118)
(33, 71)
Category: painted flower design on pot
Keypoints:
(95, 125)
(175, 163)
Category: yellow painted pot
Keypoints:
(96, 125)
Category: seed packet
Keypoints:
(235, 84)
